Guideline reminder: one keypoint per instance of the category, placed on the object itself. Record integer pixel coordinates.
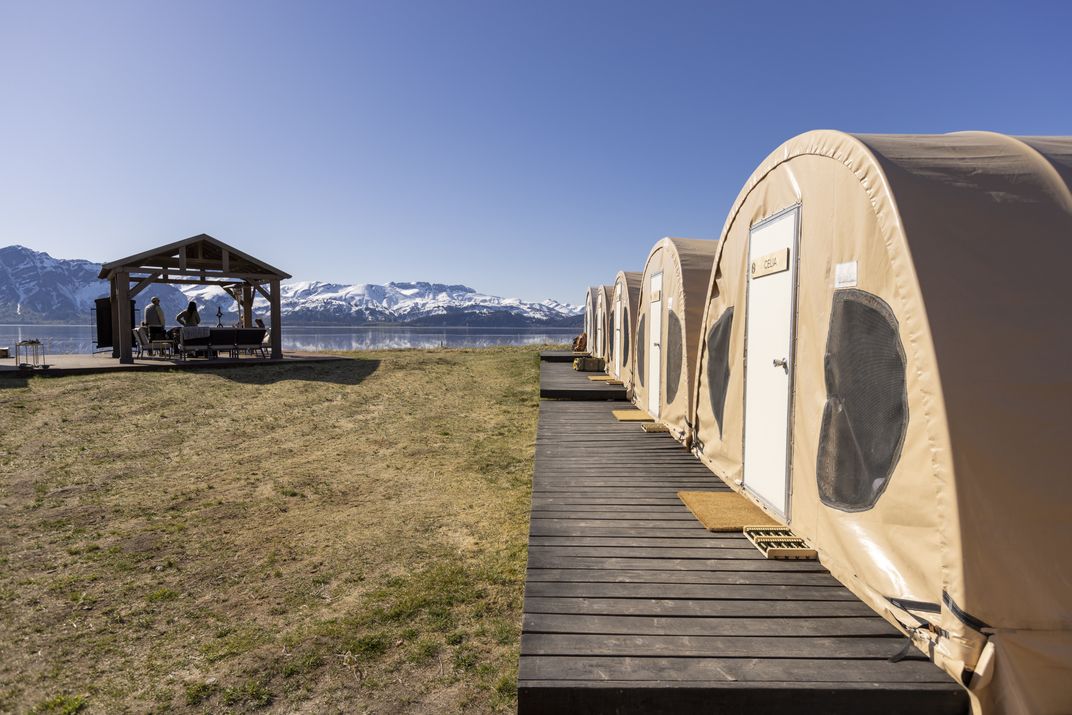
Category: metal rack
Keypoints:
(30, 355)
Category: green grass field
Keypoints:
(341, 537)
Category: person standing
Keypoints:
(189, 317)
(153, 319)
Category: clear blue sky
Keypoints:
(525, 149)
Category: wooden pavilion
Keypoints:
(198, 260)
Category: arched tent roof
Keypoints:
(975, 231)
(629, 283)
(590, 317)
(686, 267)
(602, 330)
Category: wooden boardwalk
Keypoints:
(559, 355)
(631, 606)
(560, 380)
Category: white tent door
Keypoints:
(655, 351)
(600, 315)
(769, 367)
(618, 334)
(588, 324)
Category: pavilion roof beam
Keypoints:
(142, 283)
(262, 291)
(170, 260)
(233, 275)
(193, 281)
(192, 266)
(201, 244)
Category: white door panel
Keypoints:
(587, 327)
(769, 363)
(618, 335)
(655, 354)
(599, 334)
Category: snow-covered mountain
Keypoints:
(413, 303)
(35, 287)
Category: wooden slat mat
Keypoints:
(629, 415)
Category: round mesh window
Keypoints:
(675, 358)
(640, 351)
(866, 412)
(718, 365)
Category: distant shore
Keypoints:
(297, 337)
(341, 326)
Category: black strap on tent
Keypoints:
(963, 616)
(967, 673)
(906, 604)
(913, 608)
(909, 652)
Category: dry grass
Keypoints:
(343, 537)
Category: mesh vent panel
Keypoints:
(866, 413)
(640, 351)
(675, 358)
(718, 365)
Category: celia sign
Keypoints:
(771, 263)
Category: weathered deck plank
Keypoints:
(559, 380)
(559, 355)
(631, 606)
(652, 625)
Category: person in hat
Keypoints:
(153, 319)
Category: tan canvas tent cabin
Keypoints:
(669, 316)
(590, 318)
(624, 299)
(600, 347)
(905, 405)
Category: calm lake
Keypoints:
(80, 338)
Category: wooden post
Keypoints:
(115, 316)
(122, 290)
(277, 322)
(247, 305)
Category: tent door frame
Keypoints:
(588, 308)
(763, 492)
(655, 344)
(618, 331)
(601, 312)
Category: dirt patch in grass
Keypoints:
(340, 537)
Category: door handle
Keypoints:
(783, 363)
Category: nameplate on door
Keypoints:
(771, 263)
(656, 296)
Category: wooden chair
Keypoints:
(145, 346)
